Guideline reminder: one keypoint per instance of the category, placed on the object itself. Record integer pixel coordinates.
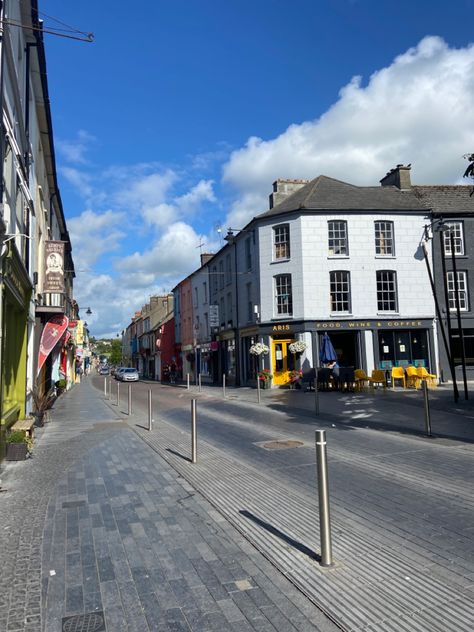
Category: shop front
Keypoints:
(15, 295)
(227, 356)
(381, 343)
(279, 337)
(249, 365)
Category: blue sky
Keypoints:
(180, 115)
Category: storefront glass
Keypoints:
(403, 348)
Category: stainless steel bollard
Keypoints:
(193, 431)
(105, 388)
(200, 385)
(427, 408)
(259, 396)
(323, 492)
(223, 385)
(129, 399)
(150, 420)
(118, 393)
(316, 396)
(187, 381)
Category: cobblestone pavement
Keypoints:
(402, 503)
(98, 527)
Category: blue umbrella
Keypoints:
(327, 352)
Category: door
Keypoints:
(282, 361)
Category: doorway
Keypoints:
(345, 346)
(282, 361)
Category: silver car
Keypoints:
(129, 375)
(118, 371)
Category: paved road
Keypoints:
(97, 531)
(402, 503)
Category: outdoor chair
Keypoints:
(378, 377)
(398, 373)
(346, 379)
(413, 381)
(428, 377)
(361, 379)
(324, 379)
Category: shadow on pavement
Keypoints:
(283, 536)
(181, 456)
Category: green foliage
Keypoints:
(61, 384)
(17, 436)
(115, 356)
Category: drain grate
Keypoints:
(281, 445)
(90, 622)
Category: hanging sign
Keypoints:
(213, 315)
(52, 333)
(53, 267)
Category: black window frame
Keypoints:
(285, 297)
(335, 239)
(384, 303)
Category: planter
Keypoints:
(265, 384)
(16, 451)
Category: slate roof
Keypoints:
(324, 193)
(446, 199)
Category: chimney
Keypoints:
(205, 257)
(283, 188)
(398, 177)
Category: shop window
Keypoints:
(456, 228)
(338, 243)
(249, 303)
(462, 291)
(387, 291)
(468, 335)
(384, 240)
(281, 241)
(283, 295)
(340, 291)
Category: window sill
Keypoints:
(280, 261)
(283, 317)
(338, 257)
(385, 256)
(339, 314)
(382, 314)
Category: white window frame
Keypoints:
(283, 295)
(458, 229)
(462, 291)
(338, 238)
(384, 238)
(281, 242)
(387, 291)
(340, 285)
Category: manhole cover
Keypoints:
(281, 445)
(91, 622)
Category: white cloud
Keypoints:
(201, 192)
(417, 110)
(94, 234)
(173, 254)
(75, 150)
(79, 179)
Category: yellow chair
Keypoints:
(424, 375)
(378, 377)
(413, 381)
(361, 379)
(398, 373)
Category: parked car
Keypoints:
(104, 370)
(129, 375)
(118, 371)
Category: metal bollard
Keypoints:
(323, 492)
(193, 431)
(118, 393)
(187, 381)
(129, 399)
(258, 390)
(105, 388)
(150, 420)
(427, 409)
(223, 385)
(316, 396)
(200, 385)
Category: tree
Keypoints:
(469, 173)
(115, 353)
